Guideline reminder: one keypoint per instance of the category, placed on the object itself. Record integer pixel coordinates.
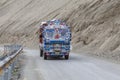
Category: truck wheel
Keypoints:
(41, 53)
(45, 56)
(66, 57)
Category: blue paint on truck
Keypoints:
(56, 39)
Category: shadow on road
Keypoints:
(73, 58)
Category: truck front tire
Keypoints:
(66, 57)
(41, 53)
(45, 56)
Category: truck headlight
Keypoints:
(66, 40)
(47, 46)
(67, 47)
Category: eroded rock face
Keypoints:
(20, 19)
(95, 23)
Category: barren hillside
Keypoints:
(20, 19)
(95, 23)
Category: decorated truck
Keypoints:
(56, 39)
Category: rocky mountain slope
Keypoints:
(95, 23)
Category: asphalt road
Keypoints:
(78, 67)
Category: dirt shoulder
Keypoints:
(106, 55)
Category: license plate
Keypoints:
(57, 53)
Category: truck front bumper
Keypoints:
(56, 53)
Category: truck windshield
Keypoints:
(63, 33)
(59, 33)
(49, 33)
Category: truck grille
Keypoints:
(57, 47)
